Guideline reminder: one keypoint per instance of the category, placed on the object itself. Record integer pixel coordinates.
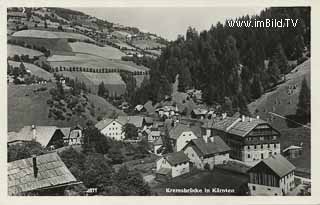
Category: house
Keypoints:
(250, 139)
(44, 175)
(113, 128)
(139, 108)
(199, 113)
(271, 176)
(292, 152)
(172, 165)
(205, 153)
(47, 136)
(66, 133)
(75, 137)
(182, 134)
(154, 134)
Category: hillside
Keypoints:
(283, 99)
(27, 107)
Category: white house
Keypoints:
(172, 165)
(180, 135)
(207, 152)
(273, 176)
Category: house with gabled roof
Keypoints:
(47, 136)
(273, 176)
(172, 165)
(181, 134)
(250, 139)
(205, 153)
(43, 175)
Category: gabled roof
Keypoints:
(176, 158)
(66, 132)
(51, 172)
(158, 141)
(180, 128)
(136, 120)
(236, 126)
(103, 123)
(209, 148)
(278, 164)
(43, 134)
(291, 148)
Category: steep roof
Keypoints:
(51, 172)
(177, 130)
(176, 158)
(66, 131)
(43, 134)
(279, 164)
(103, 123)
(208, 148)
(236, 126)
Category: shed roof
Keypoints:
(176, 158)
(208, 148)
(51, 172)
(279, 164)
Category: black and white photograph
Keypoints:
(158, 101)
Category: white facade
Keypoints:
(183, 139)
(176, 170)
(256, 153)
(114, 131)
(286, 184)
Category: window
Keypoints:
(253, 188)
(248, 147)
(261, 156)
(268, 145)
(113, 123)
(275, 153)
(248, 156)
(261, 138)
(255, 146)
(261, 146)
(275, 145)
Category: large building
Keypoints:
(250, 139)
(182, 134)
(272, 176)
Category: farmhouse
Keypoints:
(181, 134)
(44, 175)
(47, 136)
(292, 152)
(172, 165)
(113, 127)
(272, 176)
(250, 139)
(207, 152)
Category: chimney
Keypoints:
(243, 118)
(34, 132)
(35, 167)
(258, 117)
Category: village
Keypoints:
(179, 145)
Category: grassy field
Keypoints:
(26, 107)
(91, 49)
(147, 44)
(35, 70)
(278, 101)
(51, 35)
(205, 179)
(19, 50)
(56, 46)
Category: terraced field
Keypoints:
(107, 52)
(35, 70)
(147, 44)
(19, 50)
(51, 35)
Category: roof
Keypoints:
(136, 120)
(149, 107)
(291, 148)
(103, 123)
(74, 134)
(177, 130)
(51, 172)
(148, 120)
(279, 164)
(176, 158)
(200, 111)
(43, 134)
(164, 171)
(236, 126)
(217, 146)
(66, 131)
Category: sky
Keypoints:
(169, 22)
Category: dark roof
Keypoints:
(279, 164)
(177, 130)
(51, 172)
(208, 148)
(176, 158)
(236, 126)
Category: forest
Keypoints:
(231, 65)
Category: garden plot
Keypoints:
(19, 50)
